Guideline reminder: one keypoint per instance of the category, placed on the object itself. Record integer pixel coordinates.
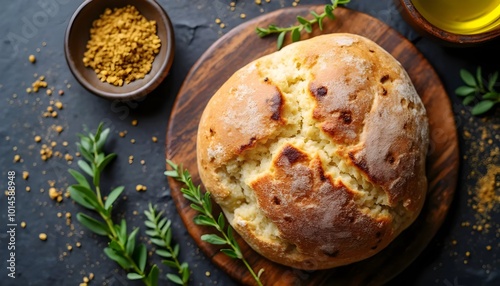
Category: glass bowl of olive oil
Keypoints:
(456, 22)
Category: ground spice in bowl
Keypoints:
(122, 46)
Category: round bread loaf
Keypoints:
(316, 153)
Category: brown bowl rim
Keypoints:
(411, 14)
(150, 84)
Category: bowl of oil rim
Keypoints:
(78, 34)
(458, 23)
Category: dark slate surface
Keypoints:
(25, 25)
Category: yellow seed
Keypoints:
(32, 58)
(28, 188)
(54, 114)
(23, 224)
(132, 141)
(68, 215)
(232, 4)
(78, 244)
(59, 129)
(83, 284)
(53, 143)
(138, 187)
(155, 139)
(59, 104)
(68, 157)
(207, 273)
(143, 162)
(134, 122)
(49, 91)
(243, 16)
(218, 21)
(26, 175)
(61, 92)
(86, 279)
(222, 25)
(42, 236)
(258, 2)
(121, 134)
(70, 247)
(28, 90)
(38, 139)
(488, 247)
(59, 214)
(17, 158)
(467, 253)
(65, 143)
(53, 193)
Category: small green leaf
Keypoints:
(185, 272)
(320, 24)
(168, 236)
(479, 78)
(130, 246)
(97, 132)
(122, 235)
(171, 173)
(169, 263)
(134, 276)
(174, 278)
(281, 39)
(302, 20)
(221, 221)
(492, 81)
(106, 161)
(153, 275)
(85, 167)
(207, 202)
(262, 32)
(158, 242)
(467, 77)
(163, 253)
(468, 99)
(204, 220)
(213, 239)
(113, 196)
(295, 35)
(329, 11)
(176, 250)
(113, 255)
(141, 256)
(491, 95)
(465, 90)
(86, 154)
(482, 107)
(163, 222)
(79, 178)
(86, 144)
(80, 198)
(308, 27)
(113, 244)
(94, 225)
(102, 139)
(197, 208)
(152, 233)
(230, 253)
(150, 224)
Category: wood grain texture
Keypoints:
(239, 47)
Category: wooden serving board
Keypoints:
(239, 47)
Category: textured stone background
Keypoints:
(25, 25)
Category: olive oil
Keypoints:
(461, 16)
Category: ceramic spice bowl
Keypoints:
(78, 34)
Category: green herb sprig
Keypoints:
(122, 247)
(477, 88)
(160, 234)
(304, 24)
(203, 204)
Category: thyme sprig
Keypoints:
(160, 234)
(477, 88)
(203, 204)
(122, 247)
(304, 24)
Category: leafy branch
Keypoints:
(304, 24)
(203, 204)
(161, 235)
(477, 87)
(122, 247)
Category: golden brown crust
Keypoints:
(317, 156)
